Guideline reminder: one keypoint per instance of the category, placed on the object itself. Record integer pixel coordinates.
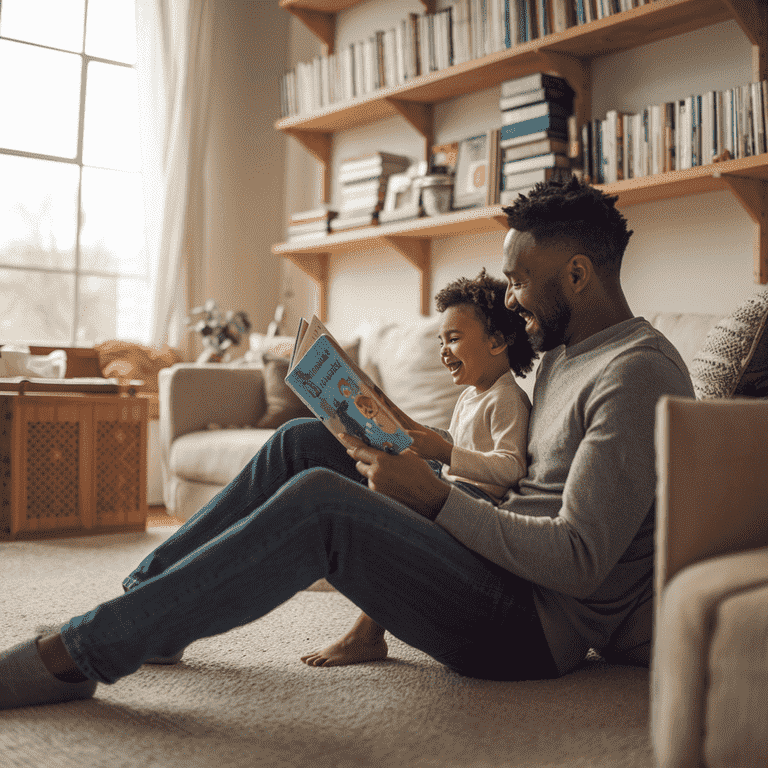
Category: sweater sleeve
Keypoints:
(505, 463)
(570, 541)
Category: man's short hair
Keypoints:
(485, 295)
(572, 214)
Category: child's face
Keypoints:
(467, 351)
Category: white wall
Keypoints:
(687, 254)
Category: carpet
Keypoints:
(245, 699)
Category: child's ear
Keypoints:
(498, 344)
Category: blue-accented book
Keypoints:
(553, 123)
(340, 394)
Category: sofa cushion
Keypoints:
(215, 456)
(686, 331)
(404, 359)
(282, 402)
(734, 359)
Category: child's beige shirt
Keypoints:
(490, 433)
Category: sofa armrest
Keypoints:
(193, 396)
(712, 489)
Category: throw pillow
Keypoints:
(282, 402)
(734, 360)
(404, 360)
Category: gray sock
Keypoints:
(25, 681)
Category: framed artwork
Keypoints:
(472, 172)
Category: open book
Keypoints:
(338, 392)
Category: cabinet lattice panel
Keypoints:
(72, 464)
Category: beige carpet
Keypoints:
(245, 699)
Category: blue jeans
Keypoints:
(297, 512)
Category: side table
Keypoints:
(72, 463)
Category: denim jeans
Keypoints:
(297, 512)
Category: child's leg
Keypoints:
(364, 642)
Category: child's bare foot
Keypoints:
(364, 642)
(350, 649)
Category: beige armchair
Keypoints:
(709, 671)
(207, 430)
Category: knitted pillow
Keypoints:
(734, 360)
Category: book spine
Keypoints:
(550, 160)
(544, 123)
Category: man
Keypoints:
(513, 591)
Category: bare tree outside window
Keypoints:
(73, 267)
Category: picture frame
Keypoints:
(402, 198)
(472, 172)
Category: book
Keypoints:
(528, 138)
(558, 95)
(550, 160)
(530, 149)
(531, 111)
(531, 82)
(547, 122)
(353, 222)
(530, 178)
(339, 393)
(372, 158)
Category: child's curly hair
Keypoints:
(485, 294)
(558, 212)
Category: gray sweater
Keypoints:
(580, 525)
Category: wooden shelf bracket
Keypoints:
(753, 196)
(319, 145)
(417, 251)
(320, 23)
(316, 266)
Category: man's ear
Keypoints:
(581, 272)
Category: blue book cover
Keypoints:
(544, 123)
(344, 398)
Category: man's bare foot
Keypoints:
(350, 649)
(364, 642)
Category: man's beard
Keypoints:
(550, 330)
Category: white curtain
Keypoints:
(173, 66)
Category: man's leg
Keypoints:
(404, 571)
(298, 445)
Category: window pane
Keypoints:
(111, 138)
(40, 102)
(58, 23)
(113, 308)
(38, 212)
(37, 307)
(111, 32)
(112, 235)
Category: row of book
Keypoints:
(696, 130)
(428, 42)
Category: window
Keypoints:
(73, 267)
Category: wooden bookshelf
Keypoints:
(569, 54)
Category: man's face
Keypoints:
(535, 291)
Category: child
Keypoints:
(480, 341)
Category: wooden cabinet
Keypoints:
(72, 464)
(568, 54)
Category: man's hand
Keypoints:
(429, 445)
(403, 477)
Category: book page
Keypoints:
(313, 332)
(302, 329)
(346, 400)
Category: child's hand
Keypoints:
(429, 445)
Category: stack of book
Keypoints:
(305, 225)
(534, 134)
(363, 187)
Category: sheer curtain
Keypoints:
(173, 67)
